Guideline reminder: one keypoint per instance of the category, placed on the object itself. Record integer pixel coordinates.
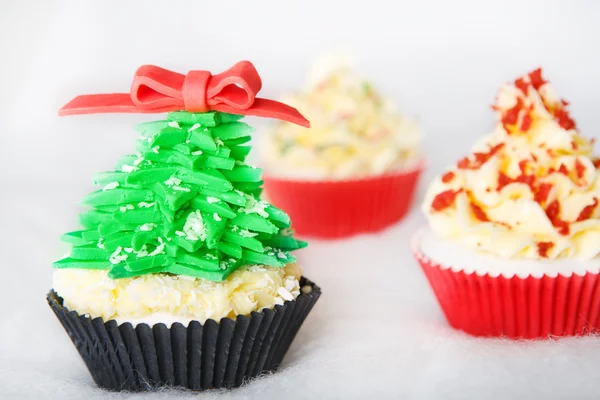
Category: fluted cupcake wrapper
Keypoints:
(335, 209)
(515, 307)
(200, 356)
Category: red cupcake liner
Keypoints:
(516, 307)
(335, 209)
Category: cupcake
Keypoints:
(180, 275)
(514, 238)
(356, 169)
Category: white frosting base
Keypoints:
(449, 254)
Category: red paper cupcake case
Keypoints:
(335, 209)
(517, 308)
(212, 355)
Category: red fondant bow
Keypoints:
(156, 90)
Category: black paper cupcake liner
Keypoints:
(200, 356)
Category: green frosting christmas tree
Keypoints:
(186, 203)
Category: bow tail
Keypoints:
(267, 109)
(106, 103)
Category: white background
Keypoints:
(377, 330)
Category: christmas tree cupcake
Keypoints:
(356, 169)
(180, 274)
(514, 244)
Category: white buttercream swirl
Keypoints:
(536, 196)
(354, 131)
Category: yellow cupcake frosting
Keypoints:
(354, 131)
(166, 298)
(530, 189)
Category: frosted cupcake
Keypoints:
(356, 167)
(514, 239)
(181, 275)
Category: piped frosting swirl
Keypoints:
(530, 189)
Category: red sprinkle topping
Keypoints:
(511, 116)
(544, 247)
(587, 211)
(444, 200)
(561, 170)
(526, 122)
(574, 145)
(542, 192)
(596, 163)
(564, 119)
(480, 158)
(503, 180)
(464, 163)
(534, 157)
(523, 166)
(479, 213)
(552, 212)
(579, 168)
(522, 85)
(447, 177)
(536, 78)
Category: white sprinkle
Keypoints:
(172, 181)
(197, 152)
(283, 292)
(126, 207)
(256, 207)
(160, 249)
(100, 243)
(223, 265)
(127, 249)
(281, 254)
(219, 142)
(147, 227)
(110, 186)
(180, 233)
(173, 124)
(194, 227)
(127, 168)
(246, 233)
(194, 127)
(138, 160)
(116, 258)
(143, 252)
(210, 256)
(216, 217)
(155, 149)
(181, 189)
(212, 200)
(143, 204)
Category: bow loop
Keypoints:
(236, 87)
(155, 87)
(156, 90)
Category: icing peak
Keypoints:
(530, 189)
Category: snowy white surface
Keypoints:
(377, 331)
